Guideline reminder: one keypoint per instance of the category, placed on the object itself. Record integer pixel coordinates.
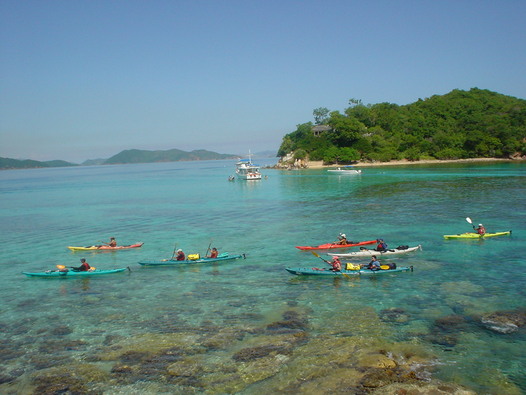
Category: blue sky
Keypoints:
(86, 79)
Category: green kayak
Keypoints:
(172, 262)
(71, 273)
(473, 235)
(314, 271)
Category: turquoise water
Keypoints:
(59, 323)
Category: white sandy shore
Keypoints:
(319, 164)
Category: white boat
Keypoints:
(345, 170)
(365, 252)
(246, 170)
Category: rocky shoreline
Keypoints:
(303, 164)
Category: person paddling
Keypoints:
(374, 264)
(342, 239)
(213, 253)
(84, 267)
(481, 230)
(112, 243)
(381, 246)
(180, 255)
(336, 264)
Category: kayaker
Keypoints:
(342, 239)
(213, 253)
(336, 264)
(84, 267)
(481, 230)
(180, 255)
(112, 243)
(374, 264)
(381, 245)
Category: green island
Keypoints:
(459, 125)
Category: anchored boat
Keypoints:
(246, 170)
(344, 170)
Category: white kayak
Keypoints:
(366, 252)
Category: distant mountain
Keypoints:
(173, 155)
(8, 163)
(93, 162)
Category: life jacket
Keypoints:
(481, 230)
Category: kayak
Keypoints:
(314, 271)
(105, 247)
(365, 252)
(473, 235)
(330, 246)
(172, 262)
(71, 273)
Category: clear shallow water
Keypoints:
(191, 204)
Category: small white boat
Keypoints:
(365, 252)
(345, 170)
(246, 170)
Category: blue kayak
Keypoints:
(71, 273)
(172, 262)
(314, 271)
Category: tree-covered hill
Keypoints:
(173, 155)
(8, 163)
(458, 125)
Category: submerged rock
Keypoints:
(505, 321)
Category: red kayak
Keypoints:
(330, 246)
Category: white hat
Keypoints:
(179, 250)
(480, 224)
(342, 235)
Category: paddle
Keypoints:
(173, 253)
(208, 249)
(469, 220)
(328, 263)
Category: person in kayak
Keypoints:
(342, 239)
(374, 264)
(381, 245)
(213, 253)
(112, 243)
(481, 230)
(180, 255)
(84, 267)
(336, 264)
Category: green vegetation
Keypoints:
(459, 125)
(8, 163)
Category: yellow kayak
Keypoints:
(473, 235)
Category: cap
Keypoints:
(82, 260)
(480, 224)
(179, 250)
(342, 235)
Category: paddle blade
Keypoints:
(315, 254)
(469, 220)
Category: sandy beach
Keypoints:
(319, 164)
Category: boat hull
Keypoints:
(472, 235)
(173, 262)
(345, 172)
(330, 246)
(105, 248)
(362, 253)
(314, 271)
(71, 273)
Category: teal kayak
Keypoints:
(71, 273)
(314, 271)
(172, 262)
